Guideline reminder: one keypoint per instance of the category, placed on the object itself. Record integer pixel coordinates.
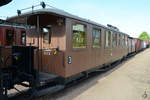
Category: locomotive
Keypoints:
(52, 47)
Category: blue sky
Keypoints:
(130, 16)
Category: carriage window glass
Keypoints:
(46, 35)
(120, 39)
(9, 37)
(107, 38)
(79, 36)
(133, 43)
(114, 39)
(96, 37)
(123, 40)
(23, 37)
(126, 41)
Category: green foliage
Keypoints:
(144, 36)
(79, 40)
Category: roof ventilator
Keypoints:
(41, 4)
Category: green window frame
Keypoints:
(79, 36)
(96, 34)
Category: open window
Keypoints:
(79, 36)
(96, 37)
(46, 34)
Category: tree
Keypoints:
(144, 36)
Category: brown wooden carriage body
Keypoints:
(69, 61)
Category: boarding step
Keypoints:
(47, 78)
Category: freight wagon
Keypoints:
(141, 44)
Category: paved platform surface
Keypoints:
(128, 81)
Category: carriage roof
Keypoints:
(61, 13)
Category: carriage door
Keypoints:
(46, 51)
(9, 37)
(46, 32)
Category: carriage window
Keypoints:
(120, 39)
(9, 37)
(96, 38)
(46, 35)
(114, 39)
(23, 37)
(79, 36)
(126, 40)
(108, 38)
(123, 40)
(133, 43)
(129, 42)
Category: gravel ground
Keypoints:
(127, 81)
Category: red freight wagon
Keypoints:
(138, 44)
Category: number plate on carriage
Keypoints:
(47, 52)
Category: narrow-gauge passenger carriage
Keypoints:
(67, 47)
(80, 44)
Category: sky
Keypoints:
(130, 16)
